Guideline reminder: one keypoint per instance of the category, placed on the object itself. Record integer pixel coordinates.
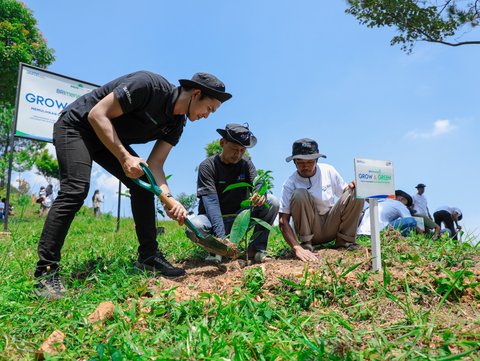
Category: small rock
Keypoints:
(103, 311)
(52, 345)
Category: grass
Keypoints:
(424, 305)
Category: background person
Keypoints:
(100, 126)
(96, 201)
(217, 209)
(391, 213)
(449, 216)
(420, 209)
(310, 196)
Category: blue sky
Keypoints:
(296, 69)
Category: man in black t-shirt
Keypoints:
(100, 126)
(217, 209)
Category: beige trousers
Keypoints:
(339, 223)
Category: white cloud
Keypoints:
(440, 127)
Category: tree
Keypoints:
(20, 41)
(47, 166)
(214, 147)
(433, 21)
(189, 201)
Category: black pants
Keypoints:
(446, 218)
(75, 153)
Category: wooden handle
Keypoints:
(168, 202)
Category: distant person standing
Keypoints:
(449, 216)
(47, 200)
(42, 194)
(2, 209)
(420, 209)
(96, 199)
(420, 203)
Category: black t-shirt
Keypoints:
(214, 176)
(147, 101)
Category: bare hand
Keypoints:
(131, 166)
(304, 254)
(177, 213)
(257, 200)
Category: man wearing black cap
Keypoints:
(392, 213)
(420, 209)
(217, 208)
(420, 203)
(100, 126)
(308, 196)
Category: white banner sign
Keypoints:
(374, 178)
(41, 96)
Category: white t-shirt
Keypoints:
(388, 211)
(326, 186)
(449, 209)
(420, 204)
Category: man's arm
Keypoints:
(100, 118)
(214, 214)
(290, 237)
(156, 160)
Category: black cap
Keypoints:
(209, 84)
(305, 148)
(405, 195)
(420, 185)
(239, 134)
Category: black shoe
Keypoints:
(49, 286)
(159, 265)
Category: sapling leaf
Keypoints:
(263, 223)
(238, 185)
(240, 226)
(246, 203)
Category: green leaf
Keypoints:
(240, 226)
(246, 203)
(264, 224)
(238, 185)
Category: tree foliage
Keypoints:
(20, 41)
(25, 151)
(189, 201)
(434, 21)
(47, 166)
(214, 148)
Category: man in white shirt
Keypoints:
(391, 212)
(449, 216)
(420, 203)
(420, 209)
(323, 207)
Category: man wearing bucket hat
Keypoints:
(100, 126)
(308, 196)
(217, 209)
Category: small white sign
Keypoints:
(374, 178)
(41, 96)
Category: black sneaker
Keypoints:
(49, 286)
(159, 265)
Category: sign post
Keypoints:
(374, 181)
(41, 96)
